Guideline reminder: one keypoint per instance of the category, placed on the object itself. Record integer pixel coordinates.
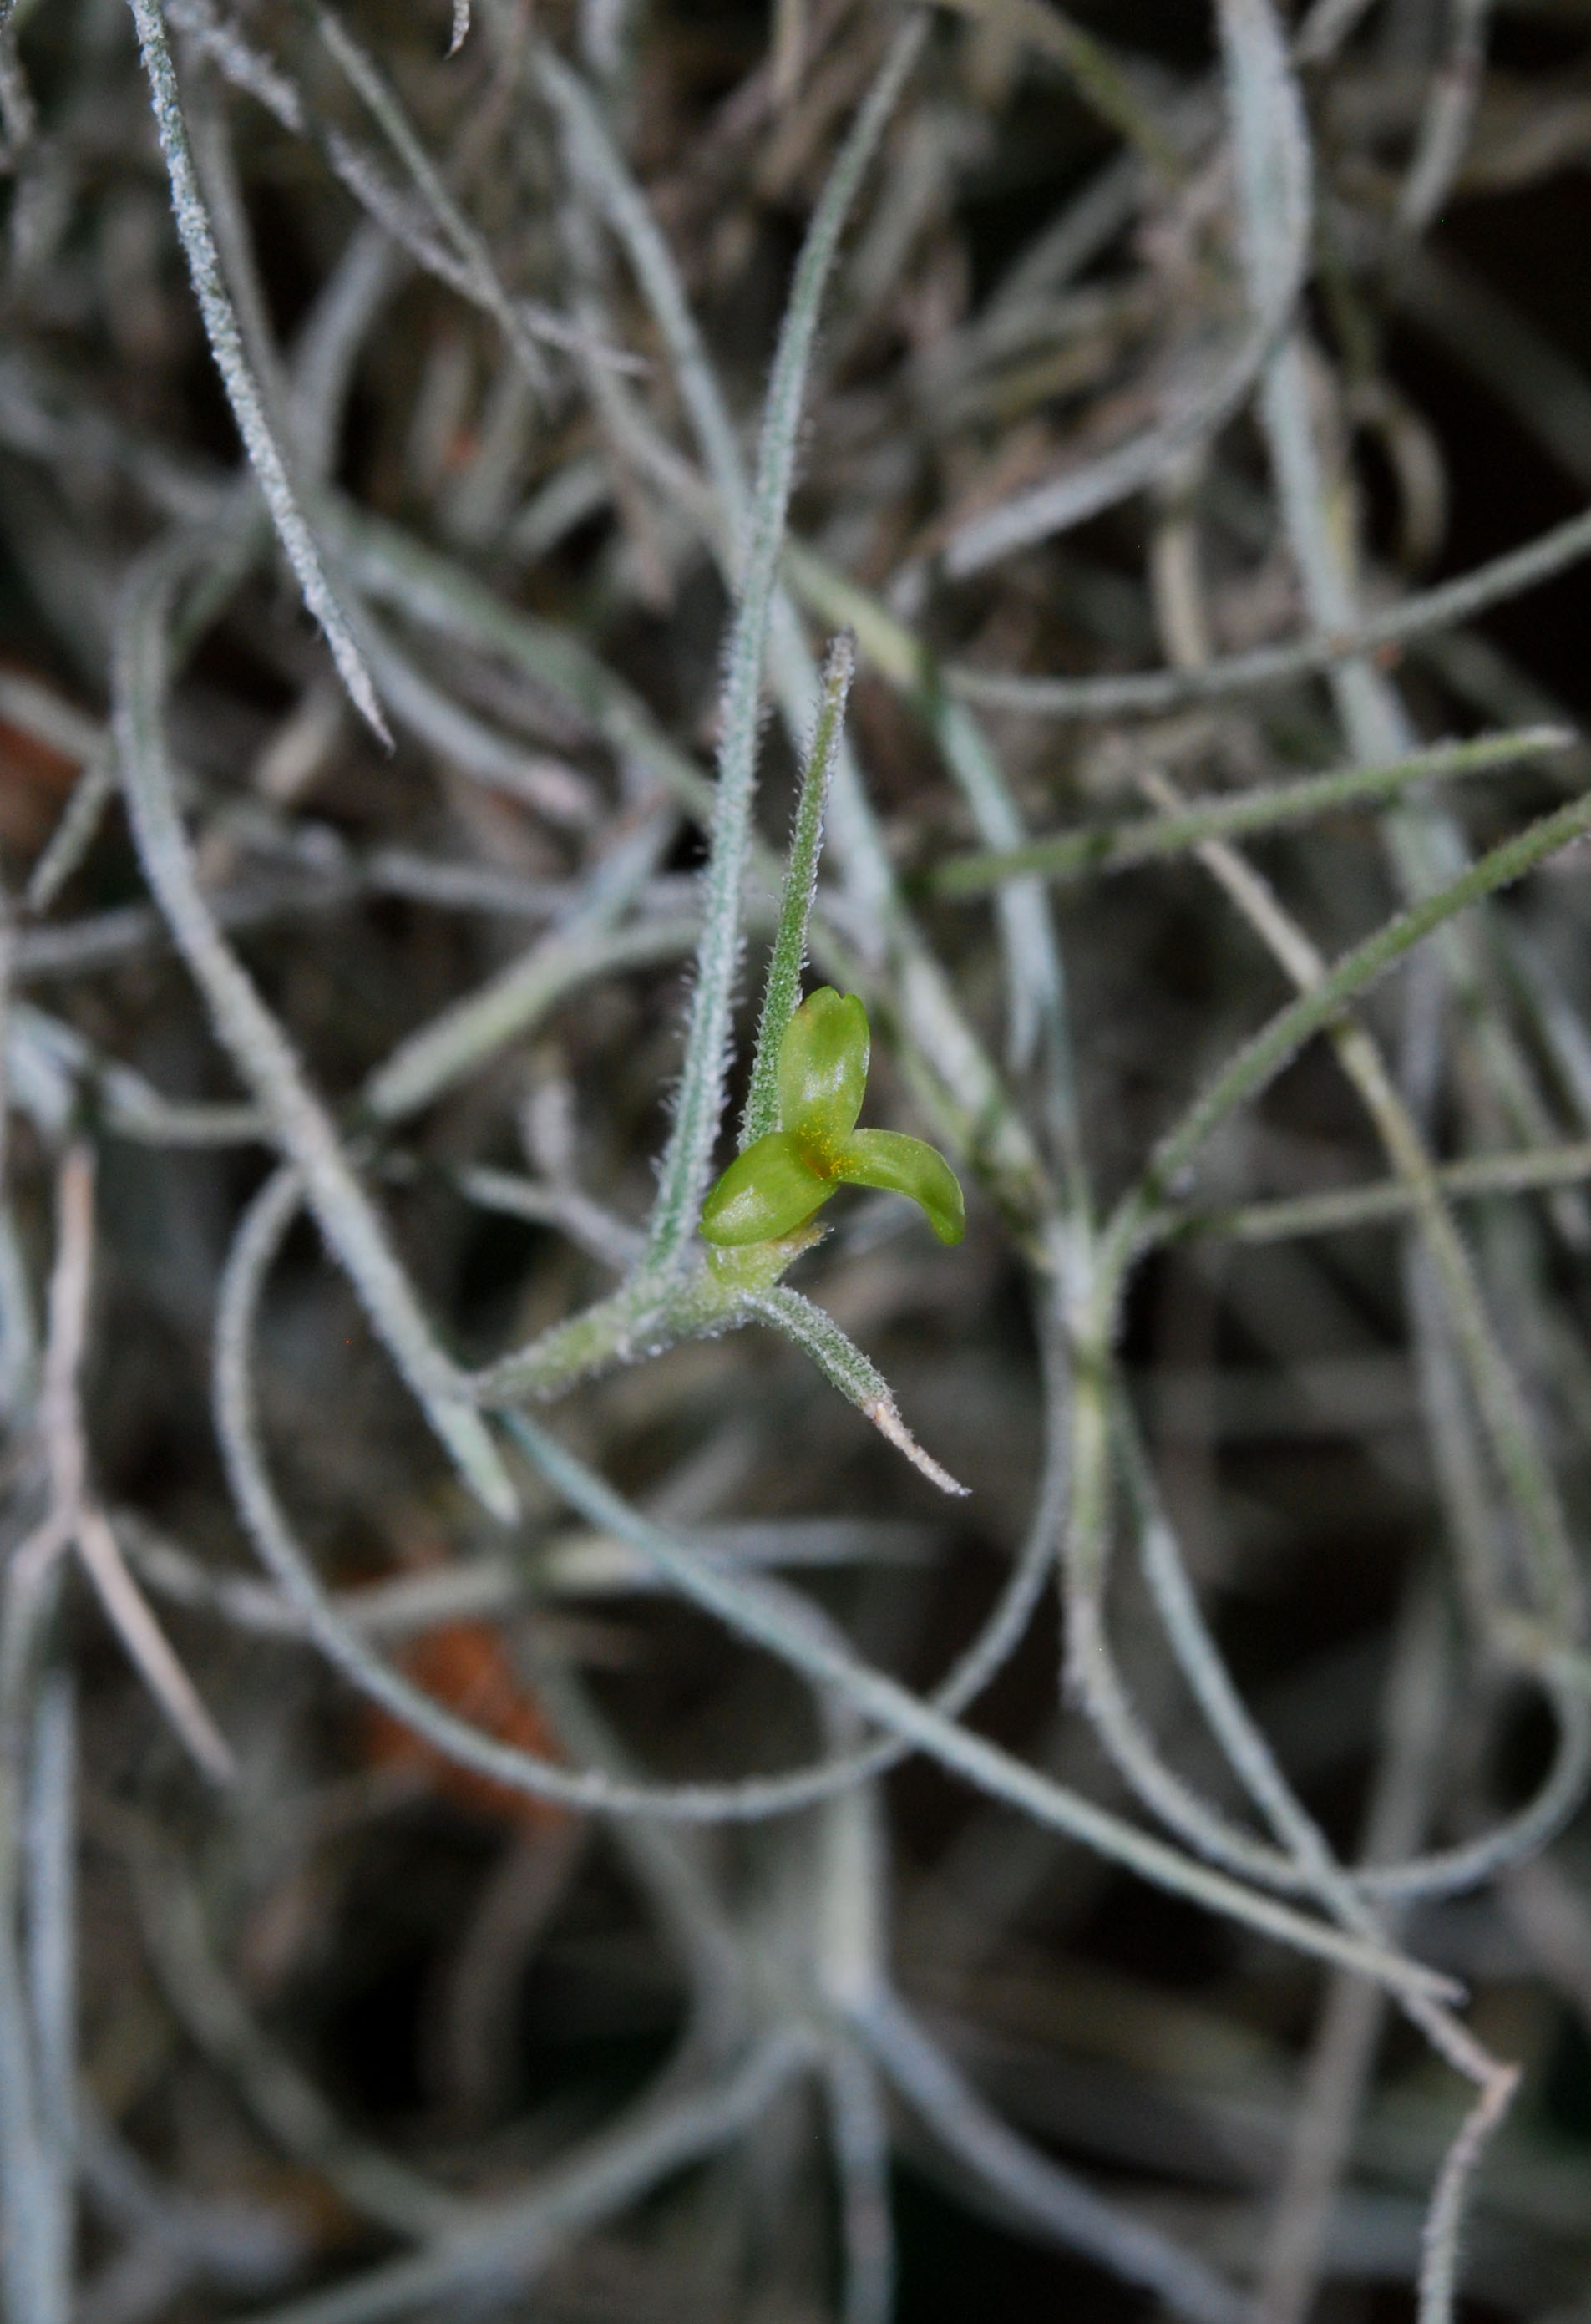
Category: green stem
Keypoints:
(782, 993)
(688, 1160)
(1470, 1180)
(1113, 846)
(1260, 1060)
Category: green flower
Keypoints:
(783, 1178)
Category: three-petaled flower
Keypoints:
(780, 1180)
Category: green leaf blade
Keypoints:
(766, 1192)
(898, 1165)
(823, 1069)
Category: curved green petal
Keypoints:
(823, 1068)
(906, 1165)
(766, 1191)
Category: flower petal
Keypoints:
(906, 1165)
(823, 1068)
(766, 1191)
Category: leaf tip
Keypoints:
(886, 1418)
(357, 682)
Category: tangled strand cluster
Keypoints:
(403, 892)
